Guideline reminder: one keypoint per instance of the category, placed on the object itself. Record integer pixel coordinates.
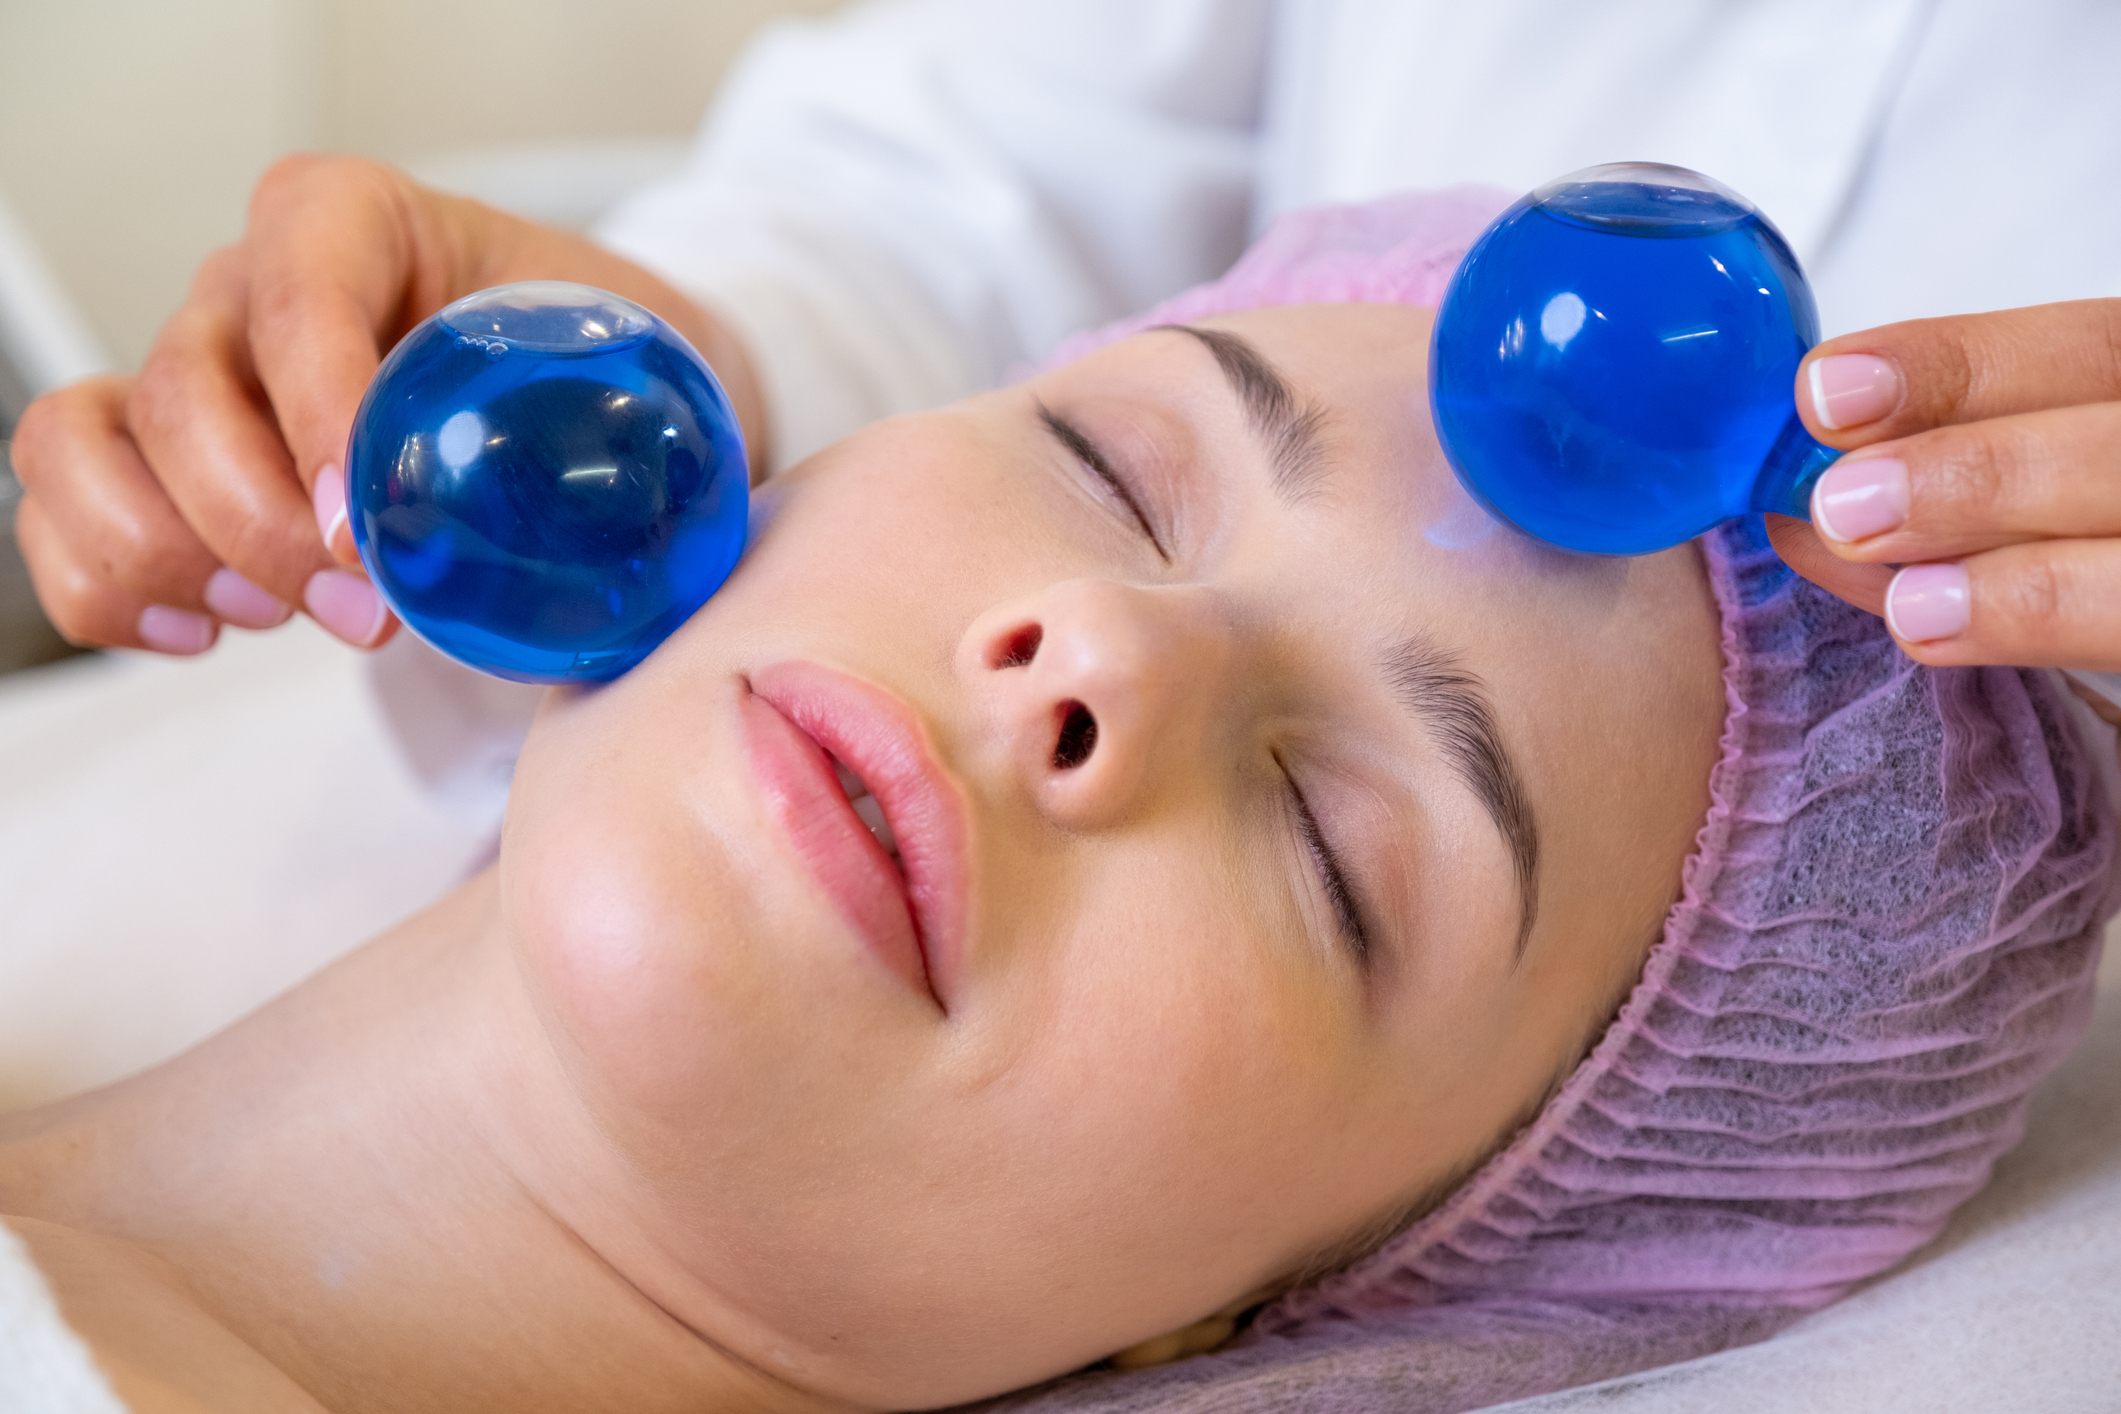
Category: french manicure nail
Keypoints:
(1926, 602)
(242, 603)
(346, 604)
(329, 498)
(179, 631)
(1860, 497)
(1849, 390)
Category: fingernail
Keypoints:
(1861, 497)
(346, 604)
(329, 498)
(1925, 602)
(1849, 390)
(242, 603)
(181, 631)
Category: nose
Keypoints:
(1093, 687)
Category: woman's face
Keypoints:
(1228, 749)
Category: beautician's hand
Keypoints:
(208, 489)
(1986, 460)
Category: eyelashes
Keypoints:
(1086, 452)
(1339, 892)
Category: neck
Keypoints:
(333, 1180)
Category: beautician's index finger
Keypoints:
(331, 274)
(316, 352)
(1910, 377)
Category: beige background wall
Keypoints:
(131, 130)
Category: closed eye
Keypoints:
(1086, 452)
(1347, 914)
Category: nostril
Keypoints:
(1019, 648)
(1078, 737)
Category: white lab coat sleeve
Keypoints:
(895, 206)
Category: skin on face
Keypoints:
(1166, 1074)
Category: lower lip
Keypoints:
(802, 793)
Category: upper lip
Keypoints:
(880, 739)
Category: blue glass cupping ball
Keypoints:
(1613, 364)
(545, 480)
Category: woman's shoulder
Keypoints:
(155, 1348)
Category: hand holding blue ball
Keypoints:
(1612, 371)
(545, 481)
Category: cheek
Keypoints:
(881, 551)
(905, 498)
(1181, 1119)
(615, 899)
(685, 973)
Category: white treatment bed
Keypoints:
(181, 840)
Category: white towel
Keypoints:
(44, 1367)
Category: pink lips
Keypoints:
(799, 718)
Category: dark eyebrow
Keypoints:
(1452, 703)
(1290, 427)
